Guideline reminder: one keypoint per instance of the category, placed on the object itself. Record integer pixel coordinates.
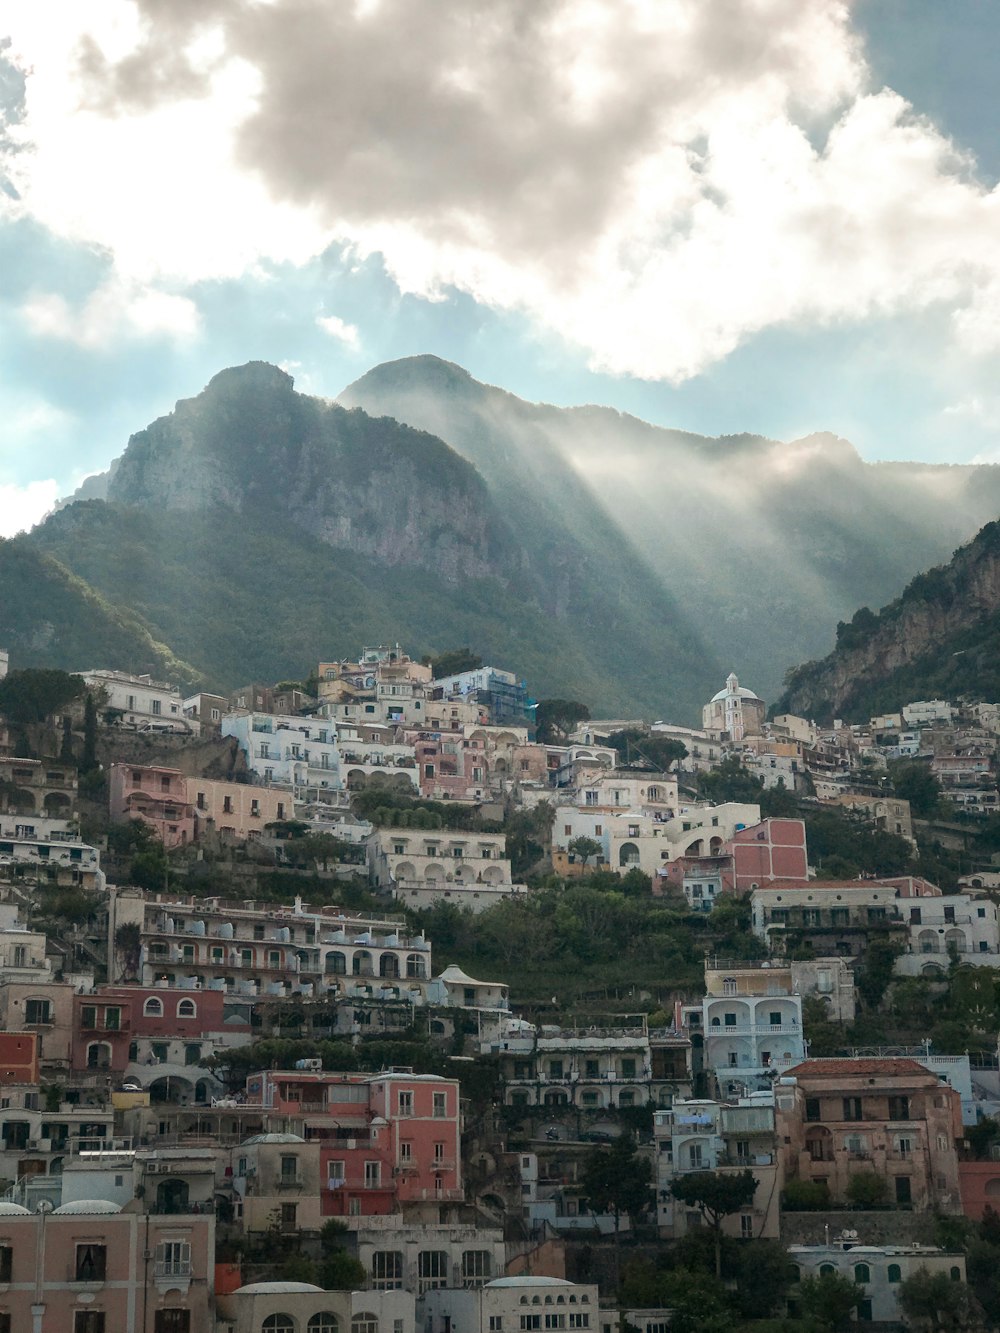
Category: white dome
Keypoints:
(12, 1209)
(273, 1138)
(274, 1288)
(87, 1206)
(740, 691)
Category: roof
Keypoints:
(455, 974)
(846, 1068)
(11, 1209)
(525, 1280)
(740, 690)
(272, 1138)
(87, 1206)
(274, 1288)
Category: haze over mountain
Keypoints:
(257, 530)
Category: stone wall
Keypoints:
(891, 1226)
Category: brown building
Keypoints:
(889, 1117)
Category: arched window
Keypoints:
(826, 1268)
(336, 965)
(862, 1273)
(955, 1274)
(99, 1055)
(278, 1323)
(323, 1322)
(365, 1322)
(187, 1009)
(153, 1008)
(895, 1273)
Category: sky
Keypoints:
(777, 216)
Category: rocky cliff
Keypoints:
(250, 444)
(940, 638)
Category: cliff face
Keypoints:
(249, 443)
(940, 636)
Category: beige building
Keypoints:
(301, 1307)
(236, 808)
(278, 1174)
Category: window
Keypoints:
(91, 1263)
(278, 1323)
(227, 805)
(432, 1270)
(955, 1274)
(746, 1226)
(439, 1152)
(440, 1105)
(6, 1263)
(334, 1175)
(579, 1320)
(826, 1268)
(729, 986)
(774, 1018)
(289, 1216)
(37, 1011)
(323, 1322)
(531, 1321)
(862, 1273)
(476, 1267)
(496, 1323)
(172, 1321)
(852, 1108)
(555, 1320)
(628, 1068)
(903, 1191)
(387, 1270)
(289, 1170)
(88, 1016)
(173, 1259)
(812, 1108)
(373, 1174)
(729, 1020)
(88, 1321)
(187, 1009)
(899, 1108)
(405, 1102)
(153, 1008)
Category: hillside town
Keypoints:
(394, 999)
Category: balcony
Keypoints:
(173, 1268)
(288, 1182)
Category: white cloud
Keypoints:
(339, 329)
(657, 180)
(23, 506)
(113, 311)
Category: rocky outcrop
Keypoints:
(939, 635)
(250, 443)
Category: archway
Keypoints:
(172, 1196)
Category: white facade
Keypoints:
(145, 704)
(880, 1269)
(926, 711)
(938, 927)
(751, 1021)
(426, 1257)
(424, 866)
(297, 752)
(514, 1305)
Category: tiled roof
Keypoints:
(848, 1068)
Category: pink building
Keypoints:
(19, 1057)
(235, 808)
(157, 796)
(771, 852)
(385, 1139)
(451, 767)
(119, 1025)
(89, 1268)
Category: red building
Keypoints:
(385, 1139)
(120, 1025)
(19, 1057)
(769, 853)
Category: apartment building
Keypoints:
(36, 787)
(47, 849)
(385, 1141)
(879, 1269)
(751, 1024)
(961, 925)
(893, 1118)
(726, 1137)
(302, 1307)
(296, 752)
(255, 950)
(235, 809)
(832, 916)
(428, 1257)
(513, 1303)
(156, 796)
(141, 703)
(424, 866)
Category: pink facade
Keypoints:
(451, 767)
(979, 1183)
(771, 852)
(105, 1272)
(18, 1057)
(157, 796)
(107, 1022)
(385, 1139)
(235, 808)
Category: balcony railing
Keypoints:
(173, 1268)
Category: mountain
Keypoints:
(940, 639)
(260, 530)
(49, 617)
(763, 544)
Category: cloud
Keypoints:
(23, 506)
(339, 329)
(112, 311)
(655, 180)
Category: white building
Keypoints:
(961, 923)
(424, 866)
(880, 1269)
(925, 712)
(143, 704)
(298, 752)
(734, 712)
(751, 1021)
(514, 1305)
(426, 1257)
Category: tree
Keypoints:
(584, 848)
(865, 1189)
(646, 747)
(556, 718)
(764, 1272)
(824, 1037)
(453, 662)
(33, 695)
(616, 1180)
(730, 781)
(66, 748)
(829, 1301)
(716, 1195)
(918, 785)
(935, 1301)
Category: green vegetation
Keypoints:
(716, 1195)
(555, 719)
(36, 694)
